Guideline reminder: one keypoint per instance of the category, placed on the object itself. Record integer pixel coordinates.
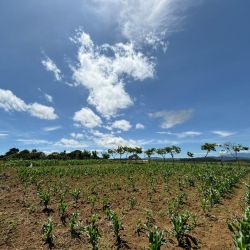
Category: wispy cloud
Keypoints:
(144, 21)
(104, 69)
(51, 66)
(10, 102)
(33, 141)
(53, 128)
(48, 97)
(181, 134)
(2, 135)
(77, 135)
(172, 118)
(223, 133)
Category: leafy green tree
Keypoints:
(11, 152)
(120, 150)
(105, 155)
(162, 152)
(149, 152)
(191, 156)
(112, 152)
(208, 147)
(174, 150)
(94, 155)
(235, 149)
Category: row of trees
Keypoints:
(124, 152)
(15, 153)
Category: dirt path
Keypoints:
(214, 233)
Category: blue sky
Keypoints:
(101, 73)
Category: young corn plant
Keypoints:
(76, 195)
(74, 224)
(44, 198)
(149, 219)
(139, 227)
(93, 233)
(247, 195)
(182, 225)
(156, 238)
(47, 230)
(105, 204)
(132, 203)
(240, 229)
(116, 225)
(62, 209)
(92, 199)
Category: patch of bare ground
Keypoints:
(22, 216)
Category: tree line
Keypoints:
(133, 153)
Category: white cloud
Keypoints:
(70, 143)
(223, 133)
(48, 97)
(87, 118)
(143, 21)
(122, 124)
(172, 118)
(3, 135)
(104, 69)
(10, 102)
(51, 66)
(139, 126)
(77, 135)
(42, 111)
(112, 141)
(48, 129)
(33, 141)
(182, 134)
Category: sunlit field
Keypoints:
(112, 204)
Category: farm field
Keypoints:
(116, 205)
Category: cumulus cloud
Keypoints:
(143, 21)
(139, 126)
(172, 118)
(87, 118)
(42, 111)
(112, 141)
(123, 125)
(51, 66)
(104, 69)
(10, 102)
(223, 133)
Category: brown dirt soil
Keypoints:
(22, 217)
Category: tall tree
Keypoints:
(120, 150)
(149, 152)
(208, 147)
(191, 155)
(235, 149)
(174, 150)
(162, 152)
